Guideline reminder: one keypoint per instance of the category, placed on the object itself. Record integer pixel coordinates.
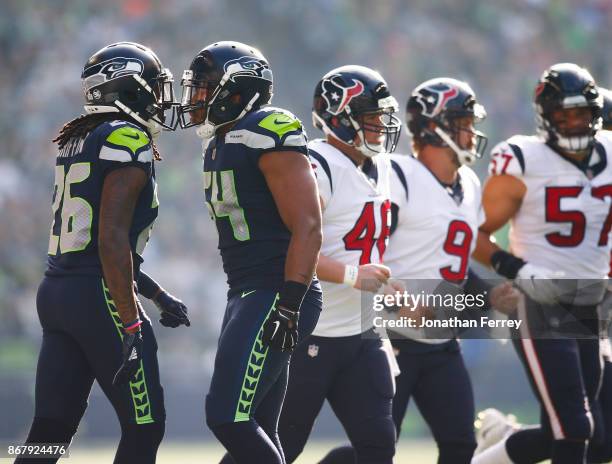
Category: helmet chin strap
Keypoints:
(153, 126)
(207, 129)
(466, 157)
(363, 147)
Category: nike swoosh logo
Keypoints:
(135, 137)
(247, 293)
(277, 122)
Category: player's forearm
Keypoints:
(116, 257)
(489, 254)
(303, 251)
(485, 248)
(330, 270)
(148, 287)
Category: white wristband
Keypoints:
(350, 275)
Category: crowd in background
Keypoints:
(500, 47)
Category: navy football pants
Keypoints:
(565, 375)
(249, 380)
(82, 343)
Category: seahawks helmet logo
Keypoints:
(433, 99)
(337, 96)
(247, 66)
(111, 69)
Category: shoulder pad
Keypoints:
(281, 122)
(269, 128)
(126, 142)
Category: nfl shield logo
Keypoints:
(313, 350)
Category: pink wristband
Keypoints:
(138, 323)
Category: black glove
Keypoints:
(173, 311)
(280, 331)
(132, 355)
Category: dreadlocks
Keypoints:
(84, 124)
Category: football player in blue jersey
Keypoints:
(261, 192)
(104, 206)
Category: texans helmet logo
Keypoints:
(337, 96)
(433, 99)
(247, 66)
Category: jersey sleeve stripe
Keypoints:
(323, 162)
(111, 154)
(250, 139)
(145, 156)
(519, 155)
(295, 140)
(401, 176)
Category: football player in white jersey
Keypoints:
(555, 189)
(438, 202)
(344, 360)
(603, 453)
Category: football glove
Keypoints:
(172, 310)
(538, 283)
(280, 331)
(132, 355)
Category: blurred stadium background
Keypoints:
(500, 47)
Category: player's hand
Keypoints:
(504, 298)
(172, 310)
(393, 286)
(538, 283)
(372, 276)
(280, 331)
(132, 355)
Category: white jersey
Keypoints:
(437, 226)
(564, 220)
(356, 222)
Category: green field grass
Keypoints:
(409, 451)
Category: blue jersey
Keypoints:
(80, 169)
(253, 239)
